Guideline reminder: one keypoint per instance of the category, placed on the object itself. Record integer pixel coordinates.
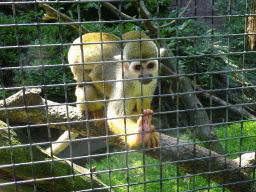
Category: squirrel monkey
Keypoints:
(132, 79)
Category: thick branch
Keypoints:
(145, 14)
(196, 159)
(198, 115)
(247, 160)
(16, 156)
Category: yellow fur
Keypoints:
(118, 92)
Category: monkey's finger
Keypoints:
(146, 120)
(149, 143)
(153, 143)
(147, 111)
(152, 128)
(155, 140)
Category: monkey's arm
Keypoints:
(133, 126)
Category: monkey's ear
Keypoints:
(119, 57)
(162, 52)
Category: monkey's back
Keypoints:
(92, 53)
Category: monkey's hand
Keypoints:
(147, 135)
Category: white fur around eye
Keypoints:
(155, 62)
(132, 65)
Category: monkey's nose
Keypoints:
(144, 80)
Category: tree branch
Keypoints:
(123, 16)
(51, 13)
(191, 158)
(178, 16)
(237, 109)
(18, 156)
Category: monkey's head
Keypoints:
(140, 69)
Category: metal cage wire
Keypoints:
(207, 143)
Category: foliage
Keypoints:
(11, 36)
(202, 49)
(199, 47)
(117, 164)
(152, 5)
(36, 58)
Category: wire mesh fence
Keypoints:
(127, 95)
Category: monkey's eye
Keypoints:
(150, 65)
(137, 67)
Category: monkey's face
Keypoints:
(144, 70)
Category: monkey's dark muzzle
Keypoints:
(144, 80)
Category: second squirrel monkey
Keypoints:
(132, 80)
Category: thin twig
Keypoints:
(236, 109)
(178, 16)
(51, 13)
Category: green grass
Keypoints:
(169, 171)
(233, 134)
